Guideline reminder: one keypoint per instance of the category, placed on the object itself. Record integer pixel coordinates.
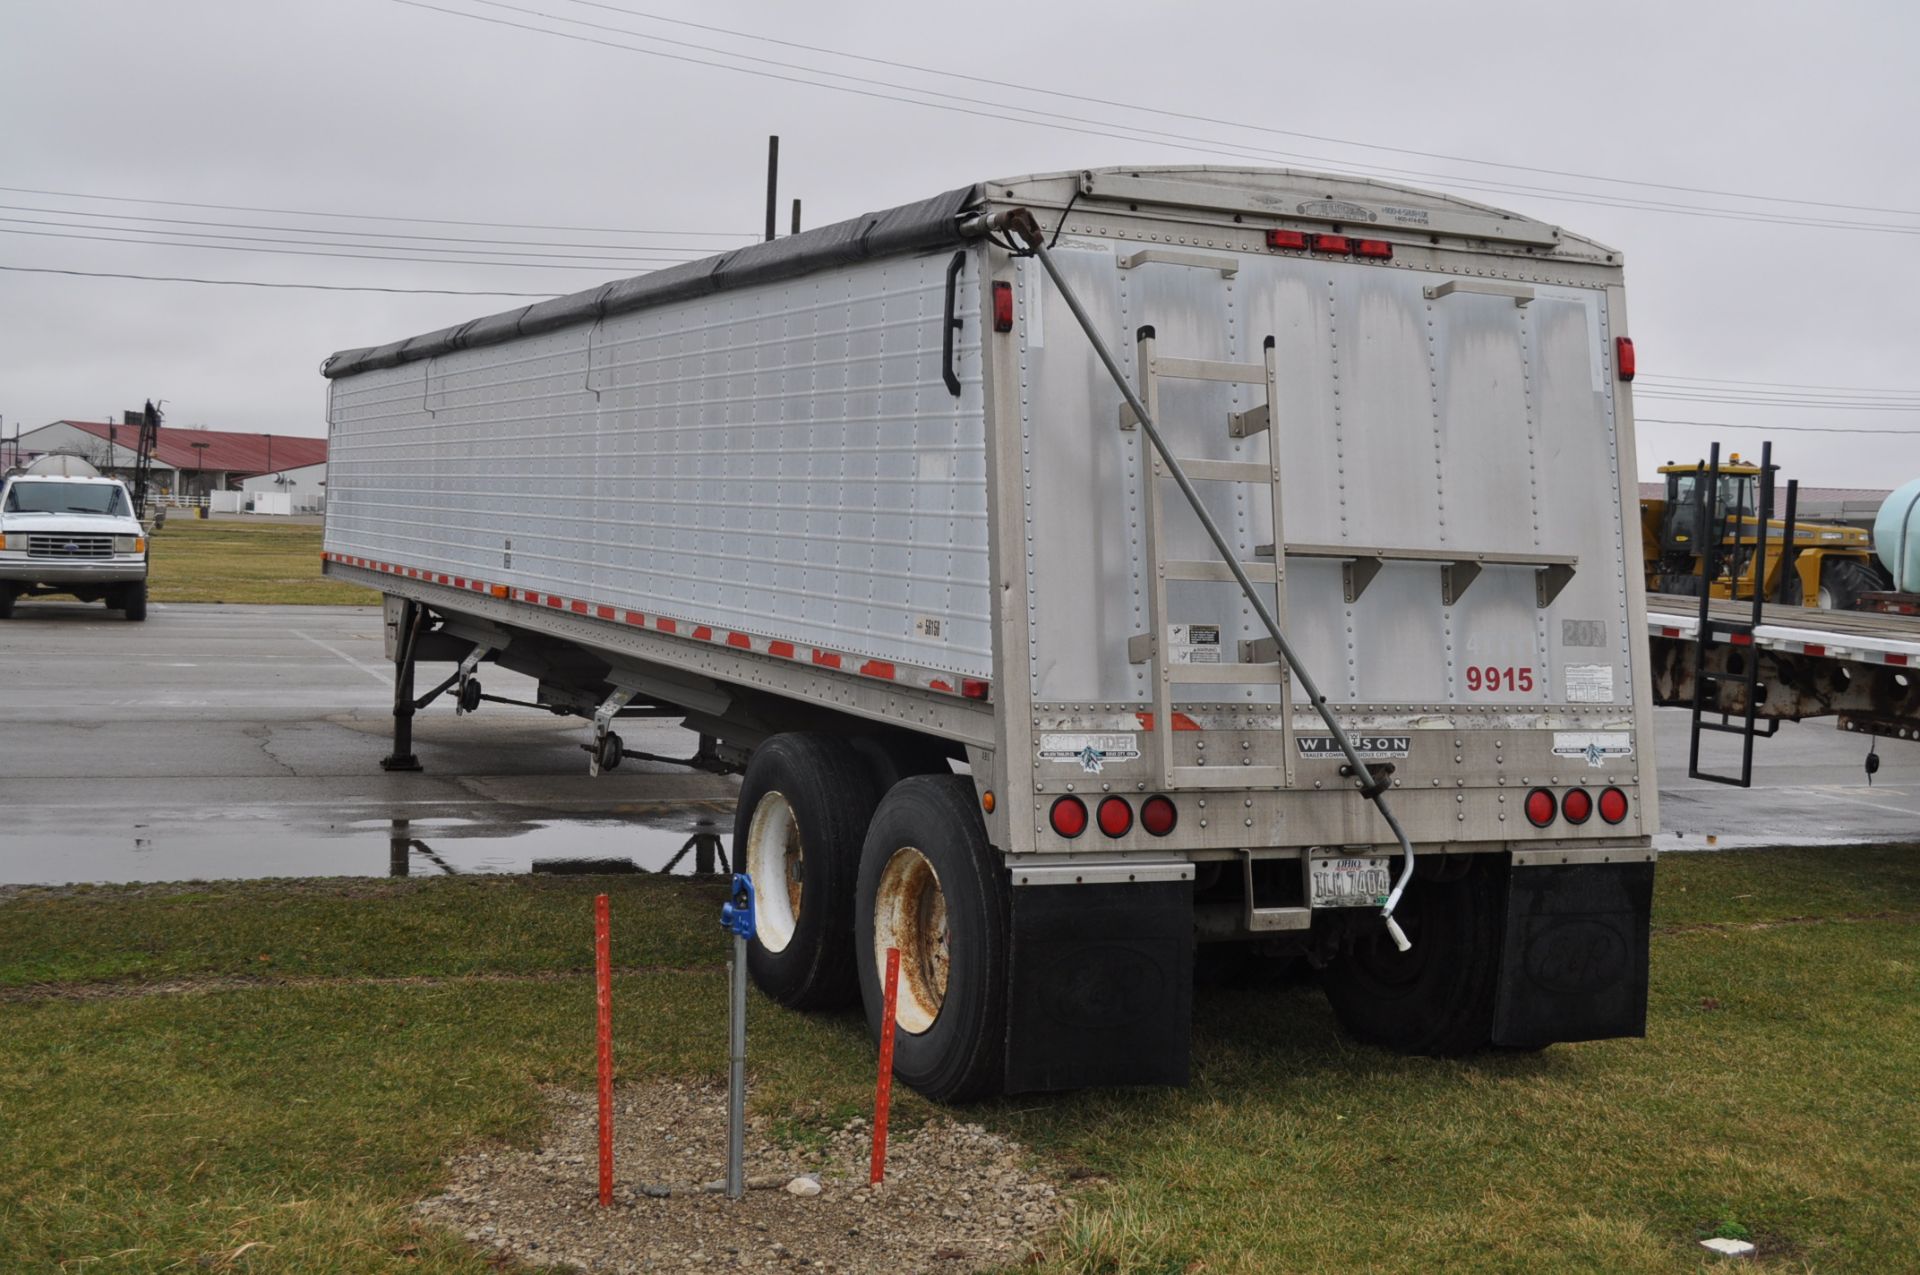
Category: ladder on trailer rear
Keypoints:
(1258, 662)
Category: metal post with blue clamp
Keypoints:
(736, 915)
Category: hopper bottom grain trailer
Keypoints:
(1081, 567)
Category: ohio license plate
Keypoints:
(1348, 883)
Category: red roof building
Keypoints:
(185, 461)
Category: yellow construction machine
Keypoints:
(1825, 564)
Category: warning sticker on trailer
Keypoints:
(1193, 643)
(1089, 752)
(1370, 747)
(1589, 683)
(1595, 747)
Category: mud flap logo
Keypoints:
(1576, 955)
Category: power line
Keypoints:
(310, 252)
(609, 256)
(1074, 124)
(424, 221)
(1210, 119)
(254, 283)
(1827, 405)
(363, 234)
(1785, 385)
(1781, 429)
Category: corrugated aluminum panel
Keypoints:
(783, 460)
(1466, 422)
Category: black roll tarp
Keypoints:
(917, 227)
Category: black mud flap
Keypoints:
(1574, 962)
(1101, 985)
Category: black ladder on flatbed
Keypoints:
(1732, 634)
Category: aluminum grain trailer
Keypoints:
(1081, 566)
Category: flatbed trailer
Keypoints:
(1080, 566)
(1861, 667)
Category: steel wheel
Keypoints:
(910, 913)
(776, 858)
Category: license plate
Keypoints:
(1348, 883)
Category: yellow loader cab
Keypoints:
(1833, 564)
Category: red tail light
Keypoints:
(1623, 356)
(1577, 806)
(1293, 240)
(1002, 307)
(1069, 817)
(1158, 816)
(1613, 805)
(1540, 807)
(1338, 244)
(1116, 817)
(1379, 249)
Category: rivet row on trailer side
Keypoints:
(1080, 567)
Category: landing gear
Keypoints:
(605, 752)
(413, 618)
(470, 695)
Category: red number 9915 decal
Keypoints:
(1491, 677)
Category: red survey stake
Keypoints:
(883, 1094)
(603, 989)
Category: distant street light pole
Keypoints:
(200, 465)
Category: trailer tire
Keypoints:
(802, 816)
(1438, 998)
(890, 760)
(133, 601)
(932, 885)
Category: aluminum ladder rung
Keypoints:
(1209, 370)
(1214, 569)
(1221, 471)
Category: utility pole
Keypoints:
(773, 182)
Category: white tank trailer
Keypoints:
(1896, 537)
(1081, 567)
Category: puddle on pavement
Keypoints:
(679, 839)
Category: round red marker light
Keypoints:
(1069, 817)
(1158, 816)
(1116, 817)
(1613, 805)
(1540, 807)
(1577, 806)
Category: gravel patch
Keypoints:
(956, 1198)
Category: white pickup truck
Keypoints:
(71, 535)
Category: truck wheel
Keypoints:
(134, 601)
(1843, 580)
(932, 886)
(1436, 999)
(802, 814)
(893, 759)
(6, 602)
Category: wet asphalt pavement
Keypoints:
(229, 741)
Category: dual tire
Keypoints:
(854, 849)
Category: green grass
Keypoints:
(1774, 1094)
(227, 560)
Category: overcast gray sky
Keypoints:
(1742, 313)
